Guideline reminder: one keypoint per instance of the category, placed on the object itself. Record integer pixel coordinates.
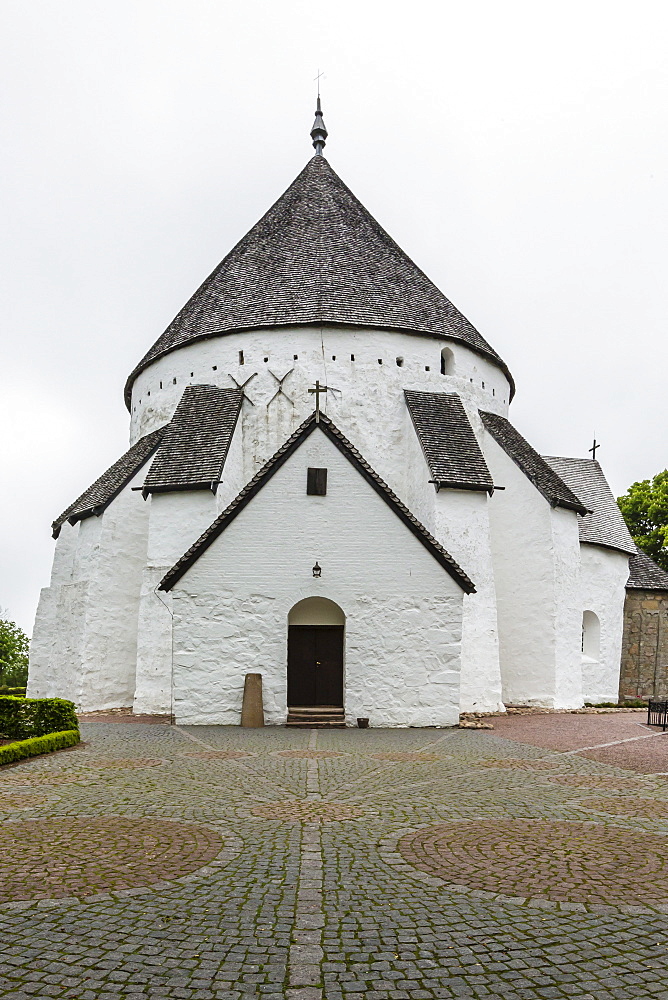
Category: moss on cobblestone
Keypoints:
(227, 932)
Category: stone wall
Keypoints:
(645, 645)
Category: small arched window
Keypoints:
(447, 362)
(591, 635)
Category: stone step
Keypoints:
(316, 716)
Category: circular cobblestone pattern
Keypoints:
(309, 754)
(598, 781)
(10, 802)
(643, 808)
(565, 862)
(67, 856)
(125, 763)
(40, 779)
(217, 754)
(301, 811)
(399, 755)
(522, 763)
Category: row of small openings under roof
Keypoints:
(447, 368)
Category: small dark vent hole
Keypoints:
(400, 362)
(427, 368)
(173, 381)
(352, 357)
(214, 368)
(380, 361)
(295, 357)
(333, 357)
(265, 360)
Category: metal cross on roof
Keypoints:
(594, 448)
(317, 390)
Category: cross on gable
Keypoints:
(317, 390)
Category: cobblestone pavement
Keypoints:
(220, 864)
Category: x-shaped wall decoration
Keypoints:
(242, 386)
(280, 387)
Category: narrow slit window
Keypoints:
(241, 357)
(316, 482)
(352, 357)
(295, 357)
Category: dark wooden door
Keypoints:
(315, 665)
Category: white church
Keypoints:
(323, 486)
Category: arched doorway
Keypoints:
(315, 654)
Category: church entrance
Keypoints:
(315, 654)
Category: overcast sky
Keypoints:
(516, 150)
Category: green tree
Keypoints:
(645, 510)
(13, 654)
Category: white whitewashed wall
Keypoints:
(403, 611)
(85, 644)
(536, 569)
(604, 574)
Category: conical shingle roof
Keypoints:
(317, 256)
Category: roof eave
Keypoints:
(607, 545)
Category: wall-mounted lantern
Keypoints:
(317, 571)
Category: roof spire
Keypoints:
(318, 132)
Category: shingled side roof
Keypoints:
(448, 442)
(605, 524)
(644, 574)
(98, 496)
(360, 464)
(534, 467)
(317, 256)
(196, 442)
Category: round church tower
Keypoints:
(317, 290)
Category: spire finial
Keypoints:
(318, 132)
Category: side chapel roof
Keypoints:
(196, 442)
(97, 497)
(533, 465)
(605, 524)
(317, 256)
(331, 431)
(448, 442)
(644, 574)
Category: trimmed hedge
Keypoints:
(24, 718)
(38, 744)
